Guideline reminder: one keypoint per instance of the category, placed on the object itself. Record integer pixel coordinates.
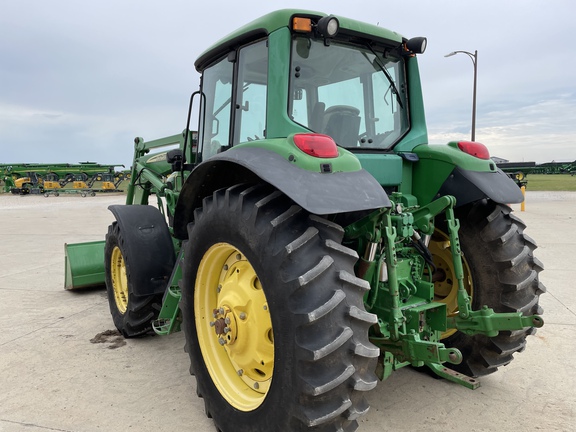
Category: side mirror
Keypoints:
(175, 158)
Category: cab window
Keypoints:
(250, 106)
(235, 113)
(217, 86)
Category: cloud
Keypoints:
(81, 79)
(62, 136)
(540, 131)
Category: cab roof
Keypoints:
(273, 21)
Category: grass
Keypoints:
(551, 182)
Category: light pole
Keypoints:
(474, 58)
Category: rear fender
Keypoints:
(445, 170)
(146, 238)
(469, 186)
(317, 193)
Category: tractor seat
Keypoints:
(342, 123)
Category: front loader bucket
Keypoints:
(84, 266)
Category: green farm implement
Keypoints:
(25, 178)
(305, 236)
(81, 184)
(29, 183)
(61, 170)
(518, 171)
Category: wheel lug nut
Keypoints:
(226, 329)
(212, 323)
(227, 320)
(222, 341)
(256, 386)
(242, 316)
(240, 372)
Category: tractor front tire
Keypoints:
(132, 315)
(274, 317)
(500, 272)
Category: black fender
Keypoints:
(469, 186)
(146, 239)
(317, 193)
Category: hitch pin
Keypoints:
(425, 239)
(370, 253)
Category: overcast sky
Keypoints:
(79, 80)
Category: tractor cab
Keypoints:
(305, 73)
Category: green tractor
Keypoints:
(307, 239)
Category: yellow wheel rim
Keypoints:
(234, 327)
(445, 282)
(119, 279)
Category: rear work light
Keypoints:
(317, 145)
(475, 149)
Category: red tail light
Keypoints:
(317, 145)
(475, 149)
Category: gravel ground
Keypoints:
(42, 203)
(64, 368)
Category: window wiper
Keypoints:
(383, 69)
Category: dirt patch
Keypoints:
(112, 337)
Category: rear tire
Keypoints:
(503, 274)
(318, 359)
(132, 315)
